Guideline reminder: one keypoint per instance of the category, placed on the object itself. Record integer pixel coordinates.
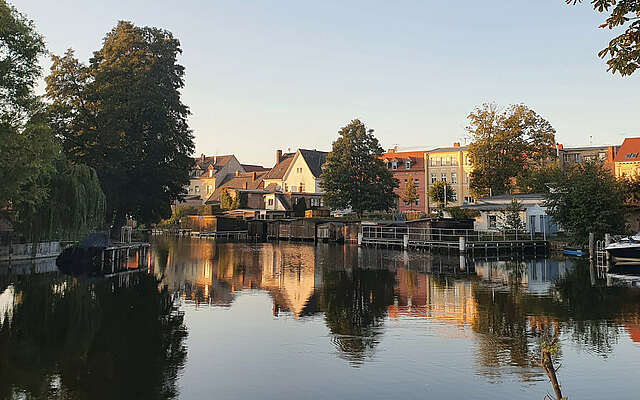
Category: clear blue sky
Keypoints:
(262, 75)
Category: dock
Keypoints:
(459, 240)
(123, 257)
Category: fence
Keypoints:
(396, 234)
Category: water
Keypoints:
(298, 321)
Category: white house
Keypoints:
(533, 213)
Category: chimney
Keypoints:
(202, 157)
(213, 158)
(278, 156)
(253, 176)
(395, 149)
(559, 146)
(456, 144)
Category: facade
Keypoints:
(452, 165)
(571, 155)
(533, 213)
(406, 167)
(627, 161)
(208, 173)
(250, 182)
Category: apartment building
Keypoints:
(627, 161)
(572, 155)
(408, 166)
(452, 165)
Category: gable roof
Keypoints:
(314, 160)
(241, 181)
(203, 163)
(278, 170)
(629, 151)
(448, 149)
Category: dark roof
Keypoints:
(278, 170)
(238, 182)
(314, 160)
(446, 149)
(254, 168)
(629, 151)
(518, 196)
(216, 161)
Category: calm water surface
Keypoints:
(300, 321)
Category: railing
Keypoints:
(396, 234)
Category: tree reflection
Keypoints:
(355, 304)
(96, 340)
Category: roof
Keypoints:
(416, 158)
(629, 151)
(217, 162)
(449, 149)
(254, 168)
(503, 201)
(238, 182)
(314, 160)
(278, 170)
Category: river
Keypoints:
(304, 321)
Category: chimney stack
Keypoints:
(559, 146)
(278, 156)
(456, 144)
(246, 185)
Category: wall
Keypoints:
(293, 178)
(463, 171)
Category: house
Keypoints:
(295, 177)
(533, 213)
(452, 165)
(251, 184)
(572, 155)
(206, 174)
(627, 161)
(408, 166)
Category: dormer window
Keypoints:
(394, 165)
(631, 155)
(210, 172)
(407, 164)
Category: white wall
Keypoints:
(293, 177)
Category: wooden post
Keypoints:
(607, 242)
(591, 246)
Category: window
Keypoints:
(443, 177)
(454, 196)
(197, 189)
(454, 161)
(209, 189)
(388, 165)
(405, 182)
(416, 183)
(491, 221)
(454, 177)
(435, 162)
(301, 187)
(407, 165)
(445, 161)
(210, 172)
(270, 202)
(602, 156)
(467, 160)
(394, 165)
(417, 202)
(466, 178)
(286, 187)
(405, 203)
(434, 178)
(190, 190)
(572, 157)
(631, 155)
(315, 202)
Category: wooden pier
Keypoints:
(458, 240)
(124, 257)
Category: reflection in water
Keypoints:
(70, 338)
(116, 339)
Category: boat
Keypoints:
(626, 250)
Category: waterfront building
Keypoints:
(533, 213)
(627, 161)
(206, 174)
(408, 166)
(452, 165)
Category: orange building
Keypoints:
(627, 161)
(408, 166)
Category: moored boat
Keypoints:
(627, 250)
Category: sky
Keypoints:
(267, 75)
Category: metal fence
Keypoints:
(397, 234)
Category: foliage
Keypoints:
(122, 115)
(462, 213)
(631, 188)
(437, 193)
(410, 195)
(504, 143)
(226, 201)
(178, 213)
(354, 176)
(28, 149)
(537, 179)
(76, 205)
(623, 50)
(510, 217)
(587, 198)
(232, 201)
(300, 207)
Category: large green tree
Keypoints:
(585, 199)
(354, 176)
(504, 143)
(441, 193)
(623, 51)
(27, 147)
(410, 194)
(122, 115)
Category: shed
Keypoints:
(302, 229)
(331, 231)
(257, 229)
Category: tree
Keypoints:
(537, 180)
(587, 198)
(457, 212)
(439, 190)
(410, 195)
(226, 201)
(354, 176)
(631, 187)
(504, 143)
(122, 115)
(623, 50)
(28, 149)
(510, 217)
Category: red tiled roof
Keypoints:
(629, 151)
